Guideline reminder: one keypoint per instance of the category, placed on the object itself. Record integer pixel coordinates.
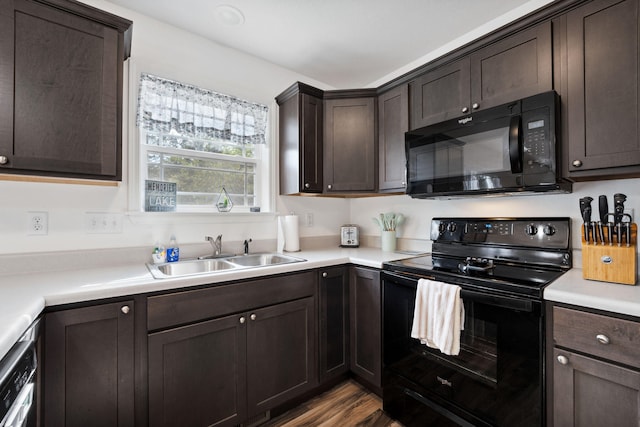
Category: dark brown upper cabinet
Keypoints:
(350, 153)
(514, 67)
(440, 94)
(61, 89)
(301, 142)
(602, 114)
(393, 122)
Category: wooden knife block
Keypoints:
(611, 263)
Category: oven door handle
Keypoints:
(512, 303)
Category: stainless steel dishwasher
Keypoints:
(18, 381)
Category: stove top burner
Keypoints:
(519, 256)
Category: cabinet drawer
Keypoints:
(180, 308)
(583, 331)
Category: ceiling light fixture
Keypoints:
(229, 15)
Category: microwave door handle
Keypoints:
(515, 145)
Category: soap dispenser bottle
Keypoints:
(173, 251)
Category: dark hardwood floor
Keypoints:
(346, 405)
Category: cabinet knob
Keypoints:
(329, 186)
(475, 106)
(465, 110)
(563, 360)
(125, 309)
(602, 339)
(242, 319)
(577, 163)
(253, 316)
(306, 185)
(325, 274)
(4, 160)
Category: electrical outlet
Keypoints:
(103, 223)
(309, 219)
(37, 223)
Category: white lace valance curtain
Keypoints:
(165, 105)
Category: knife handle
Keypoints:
(603, 208)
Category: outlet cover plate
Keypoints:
(37, 223)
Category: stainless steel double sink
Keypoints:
(212, 265)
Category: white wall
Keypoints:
(173, 53)
(420, 212)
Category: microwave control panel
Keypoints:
(536, 145)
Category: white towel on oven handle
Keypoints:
(438, 317)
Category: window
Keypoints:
(203, 141)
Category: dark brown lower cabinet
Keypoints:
(590, 392)
(88, 369)
(334, 322)
(197, 374)
(365, 296)
(226, 371)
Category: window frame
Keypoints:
(265, 177)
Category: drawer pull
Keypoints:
(602, 339)
(563, 360)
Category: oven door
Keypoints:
(495, 380)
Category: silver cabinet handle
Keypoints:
(242, 319)
(306, 185)
(325, 274)
(577, 163)
(4, 160)
(125, 309)
(602, 339)
(475, 106)
(253, 316)
(465, 110)
(563, 360)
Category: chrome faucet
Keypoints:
(246, 246)
(216, 244)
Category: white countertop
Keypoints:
(24, 296)
(571, 288)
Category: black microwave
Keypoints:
(511, 148)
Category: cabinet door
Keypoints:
(197, 374)
(589, 392)
(61, 73)
(281, 354)
(393, 122)
(311, 143)
(334, 322)
(603, 61)
(301, 128)
(89, 366)
(350, 146)
(515, 67)
(366, 324)
(440, 94)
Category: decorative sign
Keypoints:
(159, 196)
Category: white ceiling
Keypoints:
(343, 43)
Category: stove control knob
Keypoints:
(531, 230)
(549, 230)
(442, 227)
(452, 227)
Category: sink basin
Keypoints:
(261, 260)
(186, 268)
(212, 265)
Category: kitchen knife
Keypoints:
(603, 207)
(618, 213)
(585, 210)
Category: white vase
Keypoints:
(388, 241)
